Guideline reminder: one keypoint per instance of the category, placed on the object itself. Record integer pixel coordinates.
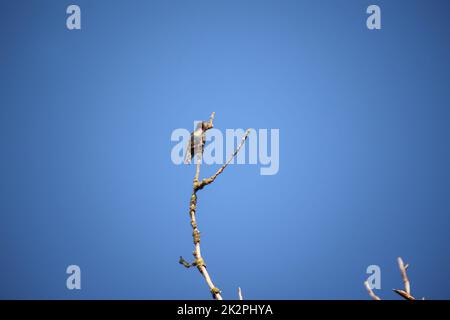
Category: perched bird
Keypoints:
(197, 141)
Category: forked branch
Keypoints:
(199, 262)
(405, 294)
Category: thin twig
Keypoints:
(403, 268)
(211, 119)
(211, 179)
(199, 262)
(371, 293)
(406, 294)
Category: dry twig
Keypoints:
(198, 185)
(406, 294)
(370, 291)
(240, 293)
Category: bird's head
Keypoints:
(206, 125)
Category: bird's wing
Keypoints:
(203, 141)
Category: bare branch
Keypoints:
(211, 179)
(240, 293)
(406, 294)
(199, 262)
(403, 268)
(370, 291)
(197, 169)
(211, 119)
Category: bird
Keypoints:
(196, 142)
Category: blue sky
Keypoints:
(86, 176)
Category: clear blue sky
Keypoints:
(86, 175)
